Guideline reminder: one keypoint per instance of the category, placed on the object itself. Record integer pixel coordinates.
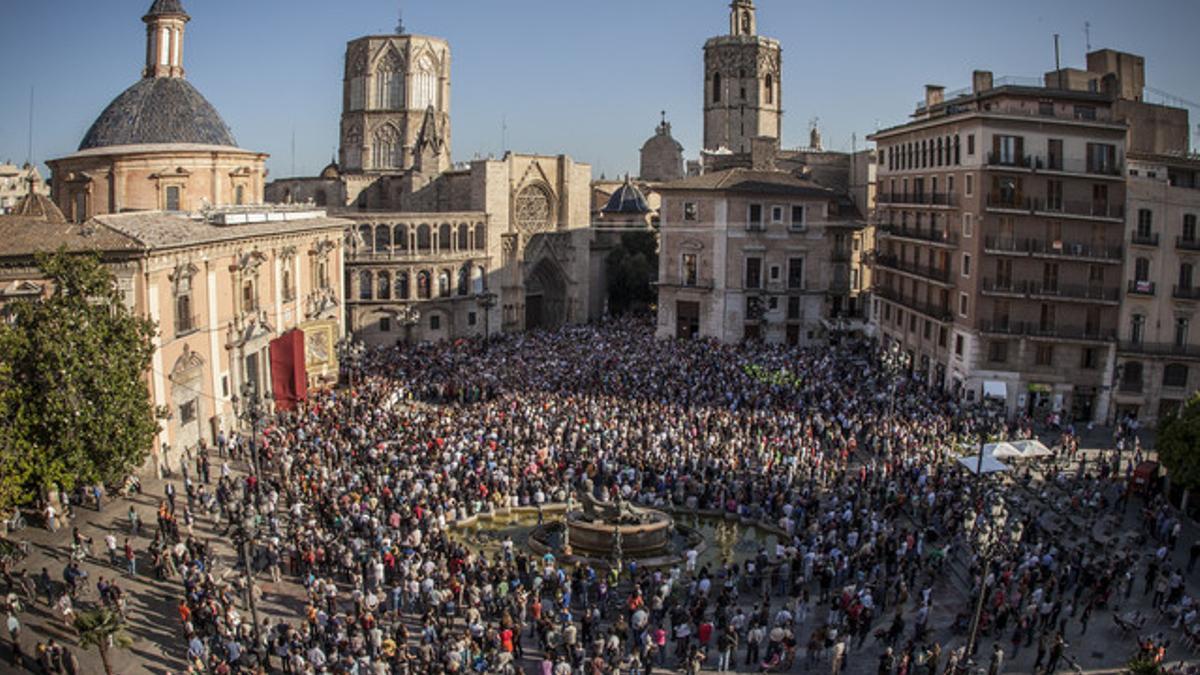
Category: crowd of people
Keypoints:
(360, 488)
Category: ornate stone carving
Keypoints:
(533, 211)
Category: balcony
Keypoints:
(937, 237)
(1051, 249)
(932, 273)
(1140, 288)
(1144, 239)
(1183, 244)
(1074, 209)
(1037, 330)
(686, 284)
(919, 199)
(1009, 161)
(1160, 349)
(930, 310)
(1039, 291)
(1078, 166)
(1186, 292)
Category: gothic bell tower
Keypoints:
(742, 88)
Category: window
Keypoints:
(425, 85)
(289, 292)
(187, 412)
(928, 329)
(366, 286)
(1175, 375)
(970, 144)
(942, 336)
(1137, 329)
(755, 216)
(998, 352)
(690, 270)
(1089, 360)
(689, 211)
(966, 264)
(358, 93)
(962, 304)
(435, 322)
(184, 321)
(384, 286)
(1044, 355)
(1054, 154)
(774, 272)
(172, 203)
(1185, 276)
(322, 275)
(1189, 227)
(385, 324)
(958, 345)
(1085, 112)
(389, 84)
(970, 188)
(957, 151)
(770, 89)
(968, 225)
(424, 284)
(716, 88)
(385, 148)
(239, 195)
(950, 184)
(1101, 158)
(795, 280)
(1181, 332)
(1145, 223)
(798, 217)
(249, 296)
(776, 215)
(753, 272)
(1131, 377)
(471, 319)
(1054, 195)
(402, 292)
(1141, 270)
(793, 308)
(444, 284)
(1046, 108)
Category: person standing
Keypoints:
(51, 515)
(996, 665)
(17, 657)
(130, 558)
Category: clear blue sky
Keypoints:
(584, 77)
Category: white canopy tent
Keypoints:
(1002, 450)
(1031, 448)
(990, 464)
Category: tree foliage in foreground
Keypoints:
(74, 405)
(632, 269)
(1178, 443)
(103, 629)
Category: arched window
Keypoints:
(770, 86)
(402, 291)
(1175, 375)
(173, 198)
(424, 237)
(464, 274)
(385, 286)
(444, 243)
(365, 285)
(389, 83)
(383, 239)
(423, 284)
(239, 195)
(716, 85)
(480, 243)
(464, 238)
(444, 284)
(289, 290)
(352, 149)
(477, 281)
(425, 84)
(368, 237)
(400, 238)
(385, 148)
(184, 321)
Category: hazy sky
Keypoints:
(584, 77)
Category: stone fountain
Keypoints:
(599, 528)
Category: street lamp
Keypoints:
(892, 361)
(251, 411)
(350, 353)
(486, 302)
(993, 537)
(245, 536)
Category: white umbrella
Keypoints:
(1031, 448)
(1002, 450)
(990, 464)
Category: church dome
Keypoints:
(158, 110)
(331, 171)
(627, 199)
(39, 206)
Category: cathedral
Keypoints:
(440, 251)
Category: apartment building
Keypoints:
(999, 241)
(1158, 358)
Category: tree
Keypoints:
(102, 628)
(632, 269)
(74, 407)
(1178, 443)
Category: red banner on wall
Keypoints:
(289, 374)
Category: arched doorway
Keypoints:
(545, 296)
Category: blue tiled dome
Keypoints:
(158, 110)
(627, 199)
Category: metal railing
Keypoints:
(1015, 161)
(920, 198)
(1087, 209)
(1038, 289)
(892, 262)
(1144, 238)
(933, 311)
(1186, 292)
(1032, 329)
(1192, 244)
(1141, 288)
(1160, 349)
(931, 236)
(1055, 248)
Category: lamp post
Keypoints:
(993, 538)
(408, 317)
(350, 353)
(486, 302)
(892, 360)
(250, 409)
(245, 535)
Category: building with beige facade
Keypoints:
(248, 299)
(754, 255)
(16, 182)
(1000, 228)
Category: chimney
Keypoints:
(934, 94)
(981, 81)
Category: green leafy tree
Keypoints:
(103, 629)
(75, 407)
(1143, 666)
(632, 269)
(1178, 443)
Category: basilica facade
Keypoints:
(440, 251)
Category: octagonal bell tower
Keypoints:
(742, 88)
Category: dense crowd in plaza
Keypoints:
(856, 463)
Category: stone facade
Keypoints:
(754, 255)
(662, 156)
(15, 184)
(743, 93)
(1158, 357)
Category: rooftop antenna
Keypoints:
(1087, 34)
(293, 151)
(29, 154)
(503, 134)
(400, 21)
(1057, 67)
